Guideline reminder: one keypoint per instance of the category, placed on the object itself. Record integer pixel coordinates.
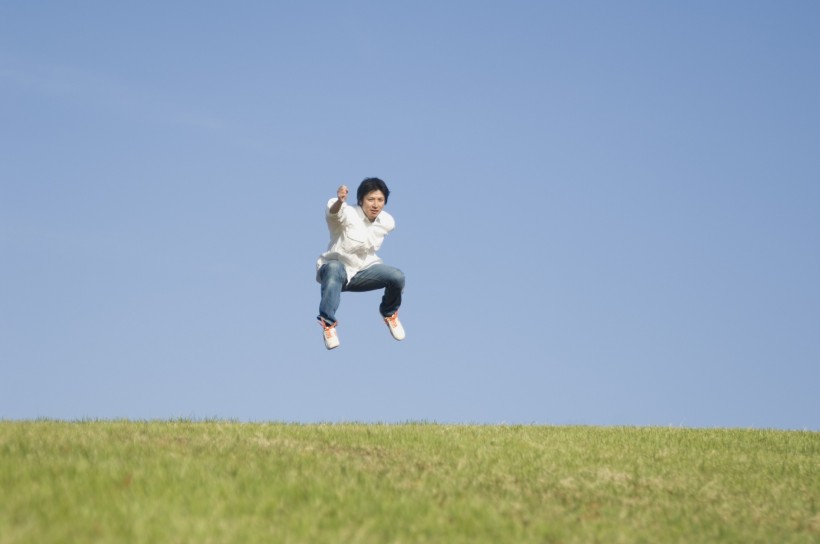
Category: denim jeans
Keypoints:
(333, 278)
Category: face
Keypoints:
(372, 204)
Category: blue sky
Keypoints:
(608, 212)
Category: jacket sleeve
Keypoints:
(335, 219)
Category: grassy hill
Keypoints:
(182, 481)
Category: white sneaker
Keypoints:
(329, 334)
(395, 327)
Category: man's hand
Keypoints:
(341, 193)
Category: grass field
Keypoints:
(219, 482)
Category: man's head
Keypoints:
(372, 196)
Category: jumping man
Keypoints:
(350, 262)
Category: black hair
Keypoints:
(371, 184)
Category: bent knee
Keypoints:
(333, 270)
(397, 278)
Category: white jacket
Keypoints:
(354, 240)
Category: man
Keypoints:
(350, 262)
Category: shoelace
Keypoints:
(392, 319)
(325, 326)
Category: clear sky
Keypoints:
(608, 213)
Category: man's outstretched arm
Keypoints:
(341, 194)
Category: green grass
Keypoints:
(182, 481)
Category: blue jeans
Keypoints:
(333, 278)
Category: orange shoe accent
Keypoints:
(324, 324)
(329, 332)
(393, 320)
(395, 326)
